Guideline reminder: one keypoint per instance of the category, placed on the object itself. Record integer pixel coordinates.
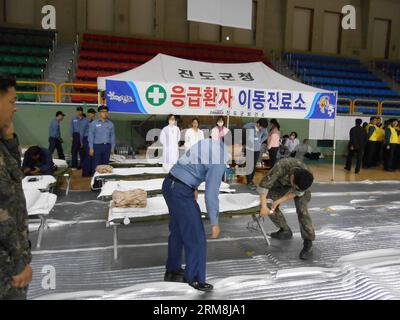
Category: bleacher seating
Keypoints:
(24, 54)
(392, 69)
(102, 55)
(345, 75)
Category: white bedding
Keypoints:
(147, 185)
(38, 203)
(156, 206)
(129, 172)
(123, 160)
(61, 164)
(43, 183)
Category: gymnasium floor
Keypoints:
(356, 255)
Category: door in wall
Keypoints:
(381, 38)
(331, 41)
(302, 28)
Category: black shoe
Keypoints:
(178, 276)
(306, 253)
(201, 287)
(347, 169)
(357, 172)
(282, 234)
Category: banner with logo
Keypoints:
(196, 100)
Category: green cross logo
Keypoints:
(156, 95)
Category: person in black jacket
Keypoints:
(358, 138)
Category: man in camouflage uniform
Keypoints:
(15, 254)
(289, 179)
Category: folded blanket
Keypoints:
(129, 199)
(104, 169)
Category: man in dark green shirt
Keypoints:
(289, 179)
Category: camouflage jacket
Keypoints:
(279, 176)
(15, 251)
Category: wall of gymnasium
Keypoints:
(32, 125)
(274, 22)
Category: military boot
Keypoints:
(282, 234)
(306, 253)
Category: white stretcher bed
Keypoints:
(43, 183)
(120, 161)
(126, 173)
(39, 204)
(154, 186)
(242, 203)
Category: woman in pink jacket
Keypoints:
(274, 141)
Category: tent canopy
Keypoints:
(166, 69)
(170, 85)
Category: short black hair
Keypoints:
(372, 118)
(60, 113)
(303, 179)
(103, 108)
(263, 123)
(276, 123)
(6, 82)
(295, 134)
(170, 116)
(79, 109)
(220, 118)
(92, 111)
(359, 122)
(34, 151)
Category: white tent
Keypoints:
(170, 85)
(165, 69)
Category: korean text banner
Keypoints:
(187, 99)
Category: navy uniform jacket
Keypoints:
(101, 132)
(204, 162)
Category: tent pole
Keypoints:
(334, 141)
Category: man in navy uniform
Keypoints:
(38, 161)
(77, 127)
(204, 162)
(101, 138)
(87, 164)
(55, 140)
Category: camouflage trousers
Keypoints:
(306, 225)
(15, 294)
(7, 292)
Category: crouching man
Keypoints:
(289, 179)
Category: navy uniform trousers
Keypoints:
(186, 231)
(87, 164)
(75, 149)
(102, 153)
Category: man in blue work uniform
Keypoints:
(55, 140)
(77, 127)
(204, 162)
(254, 139)
(87, 164)
(101, 138)
(38, 161)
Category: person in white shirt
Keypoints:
(193, 135)
(292, 142)
(169, 138)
